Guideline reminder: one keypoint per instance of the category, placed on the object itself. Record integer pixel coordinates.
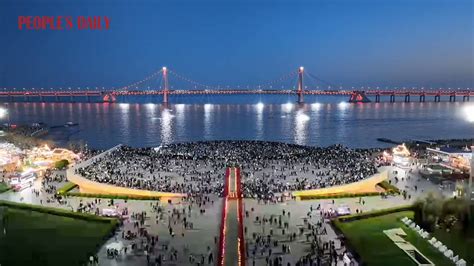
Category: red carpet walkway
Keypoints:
(232, 243)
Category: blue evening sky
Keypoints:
(231, 42)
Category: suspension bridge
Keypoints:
(292, 83)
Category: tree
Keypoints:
(468, 223)
(428, 211)
(61, 164)
(435, 210)
(456, 207)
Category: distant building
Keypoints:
(401, 156)
(452, 157)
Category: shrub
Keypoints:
(340, 195)
(354, 217)
(61, 164)
(105, 196)
(59, 212)
(4, 187)
(389, 188)
(66, 188)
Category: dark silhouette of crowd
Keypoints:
(196, 168)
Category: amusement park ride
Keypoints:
(21, 167)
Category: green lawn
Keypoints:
(375, 248)
(459, 243)
(35, 238)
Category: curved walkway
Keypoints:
(89, 186)
(367, 185)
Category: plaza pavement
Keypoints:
(206, 226)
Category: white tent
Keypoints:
(433, 240)
(110, 212)
(115, 245)
(443, 248)
(449, 253)
(343, 210)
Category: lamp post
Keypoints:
(4, 113)
(470, 190)
(471, 178)
(8, 113)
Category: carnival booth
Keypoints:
(452, 157)
(9, 156)
(23, 166)
(20, 181)
(44, 156)
(401, 156)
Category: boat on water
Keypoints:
(70, 124)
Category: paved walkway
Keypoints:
(231, 253)
(190, 243)
(233, 231)
(195, 242)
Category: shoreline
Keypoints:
(458, 143)
(416, 144)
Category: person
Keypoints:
(273, 168)
(210, 258)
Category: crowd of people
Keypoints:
(274, 238)
(269, 169)
(156, 233)
(142, 225)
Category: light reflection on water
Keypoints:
(301, 127)
(259, 122)
(321, 124)
(166, 125)
(469, 113)
(208, 113)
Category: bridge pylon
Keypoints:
(300, 90)
(109, 98)
(165, 89)
(359, 97)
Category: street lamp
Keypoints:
(3, 112)
(471, 178)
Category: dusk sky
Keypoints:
(229, 42)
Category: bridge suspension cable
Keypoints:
(282, 78)
(154, 74)
(285, 77)
(193, 82)
(317, 79)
